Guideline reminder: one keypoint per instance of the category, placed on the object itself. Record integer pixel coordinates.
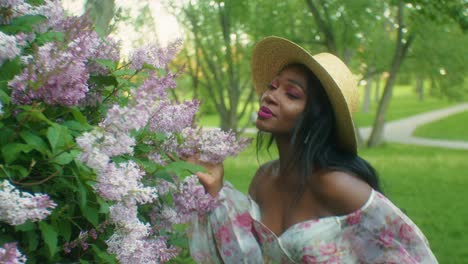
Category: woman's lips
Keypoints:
(265, 113)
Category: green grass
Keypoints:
(450, 128)
(404, 103)
(427, 183)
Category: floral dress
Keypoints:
(378, 232)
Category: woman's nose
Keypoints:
(269, 96)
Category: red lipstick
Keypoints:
(265, 113)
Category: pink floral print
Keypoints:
(376, 233)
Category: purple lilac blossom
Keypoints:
(9, 254)
(213, 145)
(191, 198)
(60, 76)
(171, 117)
(154, 54)
(154, 88)
(53, 11)
(125, 118)
(17, 207)
(8, 48)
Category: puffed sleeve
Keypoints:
(225, 234)
(382, 233)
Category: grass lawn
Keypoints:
(451, 128)
(427, 183)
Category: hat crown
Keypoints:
(342, 76)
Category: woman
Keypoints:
(319, 202)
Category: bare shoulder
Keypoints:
(262, 172)
(341, 192)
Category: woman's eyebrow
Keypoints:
(296, 83)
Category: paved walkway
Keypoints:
(400, 131)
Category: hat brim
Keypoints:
(272, 54)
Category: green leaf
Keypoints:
(109, 64)
(50, 237)
(65, 229)
(32, 240)
(103, 255)
(124, 72)
(49, 37)
(63, 158)
(22, 172)
(181, 168)
(23, 24)
(57, 135)
(78, 115)
(76, 126)
(82, 194)
(9, 69)
(11, 151)
(35, 141)
(104, 80)
(28, 226)
(92, 214)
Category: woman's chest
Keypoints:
(280, 210)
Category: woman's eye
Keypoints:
(271, 87)
(292, 96)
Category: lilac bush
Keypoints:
(91, 145)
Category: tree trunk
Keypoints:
(377, 89)
(366, 102)
(401, 49)
(420, 88)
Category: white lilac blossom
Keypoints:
(213, 145)
(8, 48)
(122, 182)
(9, 254)
(125, 119)
(17, 207)
(131, 242)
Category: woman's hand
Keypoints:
(212, 179)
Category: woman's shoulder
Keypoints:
(340, 192)
(260, 176)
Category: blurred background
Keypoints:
(409, 57)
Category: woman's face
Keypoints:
(283, 102)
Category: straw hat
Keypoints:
(271, 54)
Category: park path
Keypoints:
(400, 131)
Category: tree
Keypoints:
(408, 27)
(220, 49)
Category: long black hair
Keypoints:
(314, 141)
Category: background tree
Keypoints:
(220, 48)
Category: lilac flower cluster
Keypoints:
(9, 254)
(213, 145)
(191, 198)
(154, 55)
(17, 207)
(171, 118)
(8, 48)
(58, 72)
